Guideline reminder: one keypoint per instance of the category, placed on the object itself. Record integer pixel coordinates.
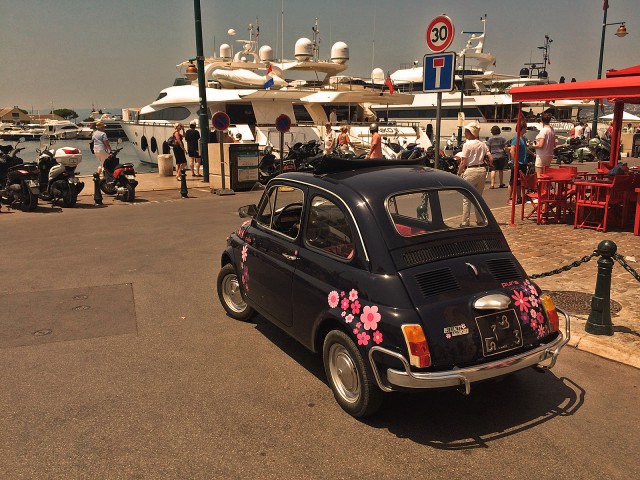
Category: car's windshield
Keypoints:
(434, 210)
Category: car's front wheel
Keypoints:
(231, 296)
(351, 382)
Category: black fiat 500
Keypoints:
(376, 267)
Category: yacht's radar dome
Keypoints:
(225, 51)
(304, 50)
(377, 74)
(265, 53)
(340, 53)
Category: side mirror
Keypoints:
(248, 211)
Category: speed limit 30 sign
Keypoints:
(440, 33)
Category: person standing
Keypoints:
(376, 143)
(333, 117)
(178, 149)
(343, 139)
(329, 139)
(545, 143)
(101, 146)
(497, 146)
(579, 131)
(586, 130)
(192, 136)
(522, 159)
(472, 167)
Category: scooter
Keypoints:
(18, 180)
(58, 179)
(119, 180)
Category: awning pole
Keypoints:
(618, 112)
(516, 173)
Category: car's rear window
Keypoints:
(434, 210)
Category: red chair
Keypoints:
(541, 196)
(636, 223)
(599, 204)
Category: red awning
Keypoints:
(618, 89)
(625, 72)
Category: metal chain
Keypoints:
(620, 259)
(577, 263)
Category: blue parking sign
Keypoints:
(439, 72)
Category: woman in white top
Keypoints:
(545, 143)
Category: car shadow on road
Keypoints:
(449, 420)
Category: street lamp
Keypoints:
(203, 116)
(620, 32)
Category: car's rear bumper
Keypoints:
(464, 377)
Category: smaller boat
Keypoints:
(113, 124)
(61, 129)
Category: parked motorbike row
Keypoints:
(52, 176)
(583, 150)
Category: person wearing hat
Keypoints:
(472, 167)
(237, 138)
(192, 136)
(101, 146)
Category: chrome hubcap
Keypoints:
(232, 295)
(344, 374)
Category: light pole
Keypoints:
(203, 116)
(621, 32)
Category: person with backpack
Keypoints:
(192, 136)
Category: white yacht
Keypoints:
(236, 85)
(61, 129)
(482, 95)
(113, 125)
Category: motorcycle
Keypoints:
(300, 152)
(58, 179)
(118, 179)
(18, 180)
(600, 148)
(269, 166)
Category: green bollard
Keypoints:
(184, 193)
(97, 194)
(599, 322)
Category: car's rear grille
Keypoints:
(453, 249)
(437, 281)
(503, 269)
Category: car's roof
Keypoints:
(379, 182)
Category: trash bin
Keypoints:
(165, 165)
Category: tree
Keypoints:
(66, 113)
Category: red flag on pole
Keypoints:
(605, 4)
(389, 84)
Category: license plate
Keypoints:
(499, 332)
(130, 177)
(32, 183)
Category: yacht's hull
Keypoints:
(147, 138)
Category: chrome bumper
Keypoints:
(464, 377)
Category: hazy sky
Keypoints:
(74, 53)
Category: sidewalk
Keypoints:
(541, 248)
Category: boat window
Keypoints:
(302, 114)
(162, 95)
(427, 211)
(327, 229)
(242, 113)
(421, 113)
(281, 210)
(171, 113)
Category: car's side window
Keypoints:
(327, 228)
(281, 210)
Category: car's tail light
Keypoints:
(552, 313)
(419, 355)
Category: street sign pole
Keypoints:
(436, 158)
(283, 125)
(221, 122)
(221, 159)
(281, 150)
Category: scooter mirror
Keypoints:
(247, 211)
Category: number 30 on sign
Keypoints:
(440, 33)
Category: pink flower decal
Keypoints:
(353, 295)
(349, 318)
(344, 314)
(342, 294)
(540, 318)
(534, 300)
(521, 301)
(541, 331)
(370, 317)
(363, 338)
(355, 331)
(448, 335)
(244, 252)
(355, 307)
(377, 337)
(359, 324)
(334, 299)
(344, 304)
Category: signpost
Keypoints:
(439, 68)
(221, 122)
(283, 125)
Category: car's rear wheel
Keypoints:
(351, 382)
(230, 294)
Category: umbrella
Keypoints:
(625, 117)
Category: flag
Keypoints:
(257, 31)
(268, 83)
(389, 84)
(269, 70)
(605, 4)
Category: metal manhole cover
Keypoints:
(43, 332)
(578, 302)
(81, 307)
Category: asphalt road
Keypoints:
(135, 371)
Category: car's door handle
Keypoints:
(289, 257)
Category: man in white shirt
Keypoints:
(472, 167)
(545, 143)
(579, 130)
(329, 139)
